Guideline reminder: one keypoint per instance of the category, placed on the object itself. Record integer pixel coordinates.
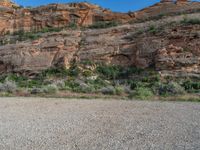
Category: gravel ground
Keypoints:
(60, 124)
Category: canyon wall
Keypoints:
(167, 44)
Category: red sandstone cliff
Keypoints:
(166, 43)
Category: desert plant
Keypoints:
(109, 71)
(109, 90)
(119, 90)
(60, 84)
(192, 21)
(152, 29)
(56, 72)
(8, 86)
(36, 91)
(74, 70)
(87, 73)
(104, 24)
(171, 88)
(142, 93)
(50, 29)
(52, 88)
(191, 86)
(73, 26)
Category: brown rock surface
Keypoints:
(55, 15)
(7, 3)
(173, 48)
(48, 51)
(82, 14)
(174, 58)
(166, 8)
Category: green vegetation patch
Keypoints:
(97, 78)
(104, 24)
(191, 21)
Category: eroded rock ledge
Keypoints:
(172, 48)
(14, 18)
(167, 44)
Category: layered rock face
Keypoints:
(173, 61)
(166, 8)
(30, 57)
(55, 15)
(7, 3)
(167, 44)
(15, 19)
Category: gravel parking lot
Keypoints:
(70, 124)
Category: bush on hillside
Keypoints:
(191, 86)
(142, 93)
(8, 86)
(171, 88)
(192, 21)
(104, 24)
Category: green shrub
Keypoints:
(73, 26)
(29, 35)
(152, 29)
(50, 29)
(191, 86)
(79, 86)
(192, 21)
(135, 84)
(22, 35)
(104, 24)
(87, 73)
(16, 78)
(116, 72)
(21, 81)
(71, 84)
(109, 71)
(60, 84)
(126, 72)
(36, 90)
(51, 89)
(109, 90)
(8, 86)
(142, 93)
(32, 83)
(84, 88)
(2, 78)
(97, 83)
(56, 72)
(74, 70)
(119, 90)
(87, 63)
(171, 88)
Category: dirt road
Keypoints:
(61, 124)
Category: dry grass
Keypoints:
(185, 98)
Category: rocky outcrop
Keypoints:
(7, 3)
(171, 48)
(30, 57)
(175, 60)
(14, 19)
(55, 15)
(167, 8)
(175, 49)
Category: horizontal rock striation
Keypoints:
(55, 15)
(14, 18)
(170, 44)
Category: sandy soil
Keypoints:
(70, 124)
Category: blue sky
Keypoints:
(115, 5)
